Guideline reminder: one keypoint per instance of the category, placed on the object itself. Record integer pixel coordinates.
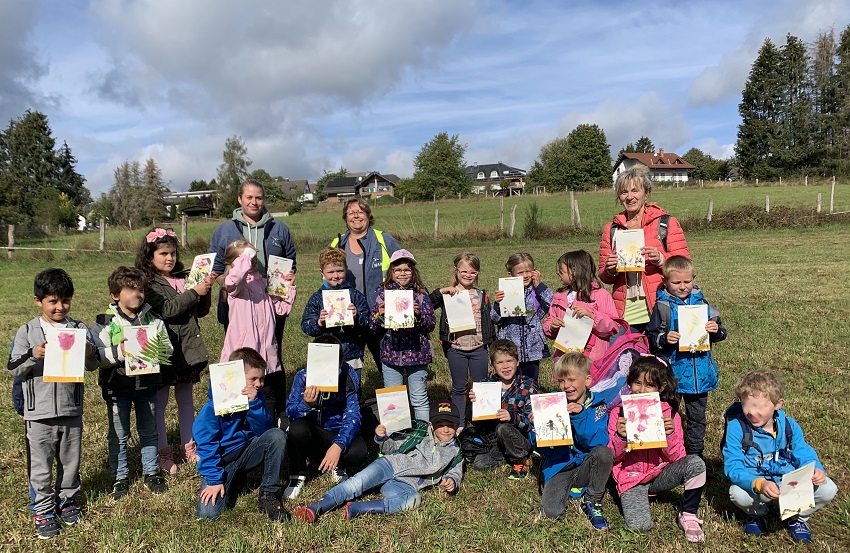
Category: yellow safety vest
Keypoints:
(385, 255)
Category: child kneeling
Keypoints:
(435, 460)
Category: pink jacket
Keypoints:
(602, 307)
(676, 245)
(643, 465)
(252, 313)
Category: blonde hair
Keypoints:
(575, 363)
(516, 259)
(757, 383)
(639, 174)
(234, 249)
(332, 256)
(677, 263)
(470, 259)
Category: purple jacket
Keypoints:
(406, 347)
(526, 331)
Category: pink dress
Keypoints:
(604, 311)
(252, 313)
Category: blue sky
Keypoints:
(314, 85)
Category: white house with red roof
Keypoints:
(662, 166)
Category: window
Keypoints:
(480, 175)
(494, 174)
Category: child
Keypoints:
(401, 473)
(582, 295)
(406, 350)
(642, 472)
(760, 445)
(324, 425)
(128, 308)
(695, 371)
(466, 350)
(251, 316)
(508, 434)
(526, 330)
(334, 267)
(230, 446)
(587, 463)
(159, 259)
(53, 411)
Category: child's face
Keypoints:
(54, 308)
(759, 410)
(574, 385)
(164, 258)
(525, 270)
(565, 274)
(130, 299)
(402, 274)
(642, 385)
(505, 366)
(254, 377)
(466, 275)
(680, 283)
(444, 431)
(334, 275)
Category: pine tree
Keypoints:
(842, 102)
(126, 194)
(824, 101)
(759, 120)
(792, 150)
(153, 192)
(71, 183)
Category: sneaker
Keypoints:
(70, 512)
(293, 490)
(190, 452)
(754, 526)
(520, 471)
(46, 526)
(306, 514)
(120, 488)
(594, 515)
(156, 483)
(798, 530)
(271, 504)
(166, 460)
(339, 475)
(576, 493)
(691, 526)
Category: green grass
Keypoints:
(782, 296)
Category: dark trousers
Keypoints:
(695, 405)
(274, 388)
(373, 344)
(592, 473)
(510, 445)
(529, 369)
(309, 441)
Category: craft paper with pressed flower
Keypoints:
(458, 309)
(336, 303)
(277, 269)
(513, 304)
(627, 245)
(398, 309)
(488, 400)
(226, 382)
(797, 492)
(201, 267)
(573, 336)
(64, 354)
(644, 421)
(692, 321)
(394, 408)
(552, 424)
(145, 350)
(323, 366)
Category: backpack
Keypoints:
(663, 225)
(735, 412)
(413, 437)
(608, 373)
(474, 443)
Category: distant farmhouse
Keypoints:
(366, 185)
(489, 179)
(207, 202)
(662, 166)
(297, 190)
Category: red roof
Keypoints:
(661, 160)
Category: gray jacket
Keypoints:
(45, 400)
(425, 465)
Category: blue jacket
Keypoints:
(353, 338)
(590, 429)
(774, 459)
(276, 239)
(335, 411)
(221, 439)
(526, 331)
(371, 273)
(696, 372)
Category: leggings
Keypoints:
(185, 412)
(463, 365)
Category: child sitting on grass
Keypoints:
(435, 461)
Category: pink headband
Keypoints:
(158, 233)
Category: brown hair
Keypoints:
(363, 204)
(251, 182)
(332, 256)
(144, 256)
(516, 259)
(126, 277)
(583, 272)
(251, 359)
(416, 278)
(572, 363)
(234, 250)
(470, 259)
(639, 175)
(678, 263)
(759, 382)
(657, 373)
(505, 347)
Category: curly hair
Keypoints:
(144, 256)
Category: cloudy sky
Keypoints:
(312, 85)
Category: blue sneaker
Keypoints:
(46, 526)
(594, 515)
(576, 493)
(798, 529)
(754, 526)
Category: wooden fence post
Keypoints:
(572, 209)
(578, 214)
(807, 180)
(184, 230)
(780, 180)
(757, 182)
(819, 202)
(501, 215)
(710, 210)
(102, 245)
(832, 196)
(767, 204)
(10, 253)
(513, 219)
(436, 222)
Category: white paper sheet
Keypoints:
(398, 309)
(458, 309)
(627, 245)
(488, 400)
(201, 267)
(394, 408)
(226, 382)
(277, 270)
(323, 366)
(644, 421)
(64, 354)
(552, 424)
(692, 321)
(513, 304)
(336, 303)
(136, 358)
(575, 333)
(797, 492)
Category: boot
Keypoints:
(357, 508)
(189, 452)
(166, 460)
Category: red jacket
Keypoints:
(676, 245)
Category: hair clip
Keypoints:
(158, 233)
(657, 358)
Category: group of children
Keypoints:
(326, 426)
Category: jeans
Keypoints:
(417, 376)
(119, 407)
(755, 504)
(267, 450)
(593, 473)
(398, 496)
(462, 366)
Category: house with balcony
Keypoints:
(496, 178)
(366, 185)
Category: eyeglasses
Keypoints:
(352, 213)
(468, 273)
(399, 270)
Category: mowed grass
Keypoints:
(781, 294)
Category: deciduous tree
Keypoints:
(440, 169)
(232, 172)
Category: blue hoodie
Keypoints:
(221, 438)
(352, 338)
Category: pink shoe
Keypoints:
(691, 526)
(166, 460)
(190, 452)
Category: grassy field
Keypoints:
(785, 307)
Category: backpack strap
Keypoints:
(663, 225)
